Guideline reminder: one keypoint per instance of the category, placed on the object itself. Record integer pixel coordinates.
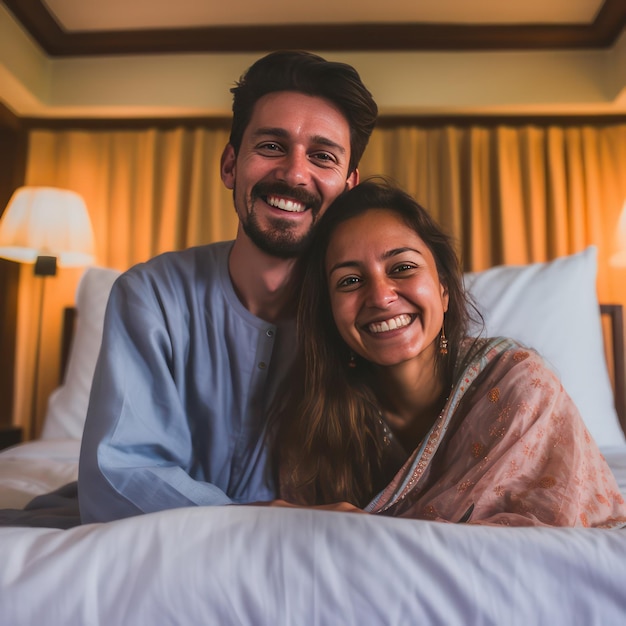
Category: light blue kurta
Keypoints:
(177, 413)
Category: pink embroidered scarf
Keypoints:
(509, 448)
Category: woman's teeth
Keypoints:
(392, 324)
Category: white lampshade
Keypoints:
(46, 221)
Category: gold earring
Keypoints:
(443, 342)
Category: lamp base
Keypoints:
(46, 266)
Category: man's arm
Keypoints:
(137, 448)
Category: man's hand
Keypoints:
(344, 507)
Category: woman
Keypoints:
(395, 410)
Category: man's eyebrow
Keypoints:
(270, 131)
(281, 133)
(325, 141)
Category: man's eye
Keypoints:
(270, 147)
(324, 157)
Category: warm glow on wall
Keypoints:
(619, 258)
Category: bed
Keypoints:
(258, 565)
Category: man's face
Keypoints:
(292, 163)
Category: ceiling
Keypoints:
(169, 59)
(65, 28)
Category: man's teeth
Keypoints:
(394, 323)
(286, 205)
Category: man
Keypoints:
(197, 342)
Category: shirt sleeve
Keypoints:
(137, 453)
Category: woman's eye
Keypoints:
(403, 267)
(348, 281)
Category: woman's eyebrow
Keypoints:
(390, 253)
(342, 264)
(396, 251)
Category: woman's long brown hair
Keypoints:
(328, 438)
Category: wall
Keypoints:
(12, 164)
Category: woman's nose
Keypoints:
(381, 291)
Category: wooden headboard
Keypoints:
(615, 315)
(614, 342)
(67, 332)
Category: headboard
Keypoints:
(67, 332)
(615, 359)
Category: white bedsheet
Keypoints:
(257, 566)
(30, 469)
(254, 565)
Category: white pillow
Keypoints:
(67, 405)
(553, 307)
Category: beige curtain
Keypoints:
(512, 194)
(147, 191)
(508, 193)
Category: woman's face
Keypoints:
(385, 294)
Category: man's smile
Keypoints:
(285, 204)
(286, 198)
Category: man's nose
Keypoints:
(294, 168)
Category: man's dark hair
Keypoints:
(312, 75)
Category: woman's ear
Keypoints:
(228, 167)
(445, 297)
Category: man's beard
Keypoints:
(279, 239)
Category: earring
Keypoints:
(352, 361)
(443, 342)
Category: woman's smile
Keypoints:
(394, 323)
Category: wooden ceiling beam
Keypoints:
(601, 33)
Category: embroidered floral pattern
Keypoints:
(546, 482)
(477, 449)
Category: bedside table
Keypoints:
(9, 436)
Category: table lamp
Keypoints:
(45, 226)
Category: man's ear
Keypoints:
(228, 166)
(353, 179)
